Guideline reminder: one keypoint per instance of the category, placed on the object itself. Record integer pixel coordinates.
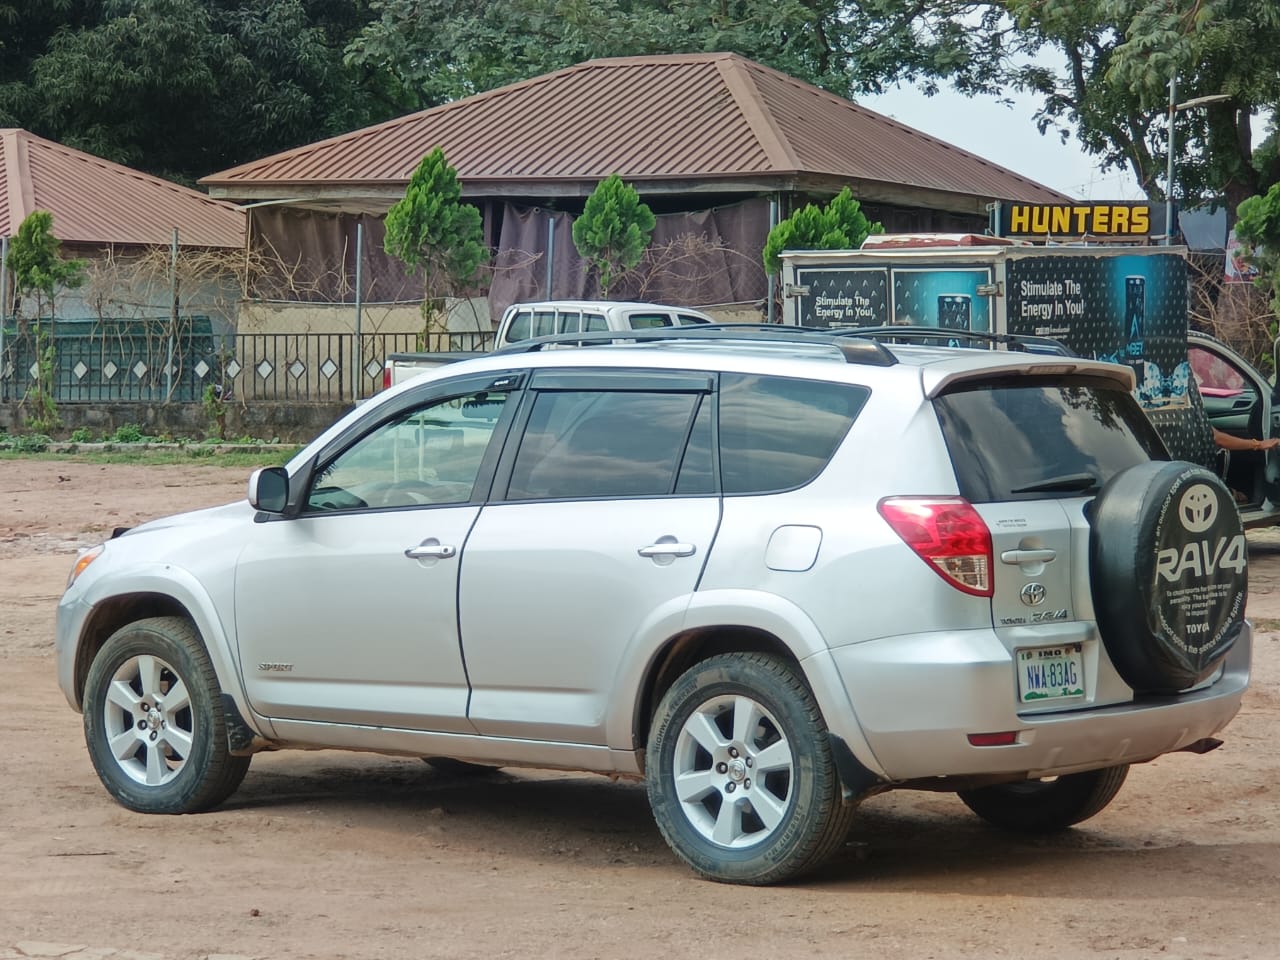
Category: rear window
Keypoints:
(1022, 440)
(649, 321)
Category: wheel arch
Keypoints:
(725, 621)
(174, 592)
(688, 648)
(109, 616)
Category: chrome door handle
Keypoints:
(431, 549)
(668, 549)
(1017, 557)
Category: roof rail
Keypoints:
(852, 347)
(945, 337)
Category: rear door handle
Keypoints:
(431, 549)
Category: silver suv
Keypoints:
(769, 572)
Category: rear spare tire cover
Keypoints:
(1169, 573)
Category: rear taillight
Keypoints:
(949, 535)
(386, 376)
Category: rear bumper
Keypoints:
(917, 699)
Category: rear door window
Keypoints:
(1017, 439)
(688, 318)
(613, 443)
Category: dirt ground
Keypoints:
(334, 855)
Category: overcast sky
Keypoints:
(1007, 136)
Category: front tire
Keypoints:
(740, 775)
(153, 720)
(1047, 806)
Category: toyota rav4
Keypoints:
(769, 573)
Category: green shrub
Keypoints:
(81, 435)
(128, 433)
(32, 442)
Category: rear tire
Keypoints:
(153, 720)
(1046, 806)
(740, 774)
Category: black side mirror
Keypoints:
(269, 489)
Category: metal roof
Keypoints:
(94, 201)
(677, 118)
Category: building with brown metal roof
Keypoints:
(98, 203)
(716, 144)
(121, 223)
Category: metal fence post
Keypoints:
(770, 312)
(173, 314)
(357, 384)
(551, 253)
(4, 304)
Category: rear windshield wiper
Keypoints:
(1068, 483)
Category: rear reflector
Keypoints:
(949, 535)
(1006, 739)
(386, 376)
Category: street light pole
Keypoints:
(1168, 184)
(1174, 108)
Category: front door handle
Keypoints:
(431, 549)
(668, 547)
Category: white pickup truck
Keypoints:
(523, 321)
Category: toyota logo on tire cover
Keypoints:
(1198, 508)
(1201, 561)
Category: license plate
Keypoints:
(1050, 673)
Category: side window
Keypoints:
(430, 455)
(594, 321)
(778, 433)
(519, 327)
(569, 322)
(583, 443)
(648, 321)
(544, 323)
(1215, 375)
(688, 319)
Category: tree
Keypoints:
(433, 51)
(840, 225)
(181, 88)
(39, 272)
(1258, 227)
(613, 231)
(1113, 93)
(434, 233)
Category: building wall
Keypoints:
(262, 317)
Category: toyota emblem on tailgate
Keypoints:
(1033, 594)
